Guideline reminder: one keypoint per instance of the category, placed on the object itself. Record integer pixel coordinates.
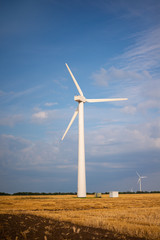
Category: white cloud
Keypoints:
(50, 104)
(146, 105)
(114, 139)
(40, 115)
(101, 77)
(51, 116)
(129, 109)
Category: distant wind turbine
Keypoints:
(139, 181)
(81, 191)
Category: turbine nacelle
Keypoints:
(80, 99)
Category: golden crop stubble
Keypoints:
(136, 215)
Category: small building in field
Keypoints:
(113, 194)
(98, 195)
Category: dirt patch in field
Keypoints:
(31, 227)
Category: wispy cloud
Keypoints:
(138, 62)
(105, 76)
(101, 77)
(10, 96)
(136, 73)
(21, 154)
(129, 109)
(144, 54)
(2, 93)
(60, 84)
(10, 119)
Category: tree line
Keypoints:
(66, 193)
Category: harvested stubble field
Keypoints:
(132, 216)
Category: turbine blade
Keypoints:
(144, 177)
(138, 174)
(106, 100)
(69, 125)
(75, 82)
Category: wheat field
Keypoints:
(136, 215)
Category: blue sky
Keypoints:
(113, 50)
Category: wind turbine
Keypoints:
(81, 191)
(139, 181)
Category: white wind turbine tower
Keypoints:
(139, 181)
(81, 191)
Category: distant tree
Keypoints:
(4, 194)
